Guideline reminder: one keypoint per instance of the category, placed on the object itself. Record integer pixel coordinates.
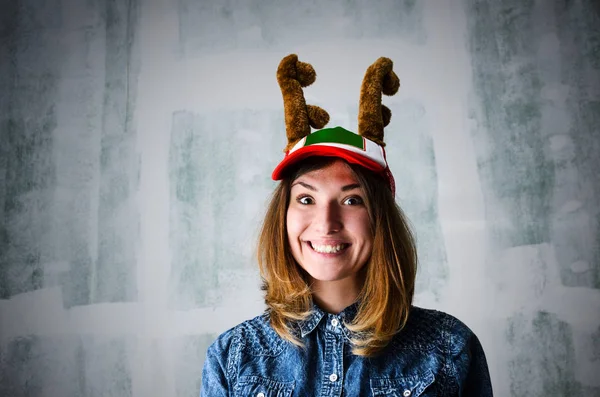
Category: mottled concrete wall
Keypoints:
(137, 139)
(536, 131)
(70, 178)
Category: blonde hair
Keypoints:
(389, 274)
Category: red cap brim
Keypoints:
(321, 150)
(329, 151)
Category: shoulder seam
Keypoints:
(234, 356)
(448, 362)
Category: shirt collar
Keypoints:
(309, 324)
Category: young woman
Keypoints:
(338, 263)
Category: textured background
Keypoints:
(137, 138)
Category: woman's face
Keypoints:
(328, 224)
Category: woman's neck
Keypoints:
(335, 296)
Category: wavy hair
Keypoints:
(386, 295)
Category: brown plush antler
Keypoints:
(372, 115)
(292, 75)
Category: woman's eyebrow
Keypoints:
(314, 189)
(306, 185)
(350, 187)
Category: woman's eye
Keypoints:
(305, 200)
(354, 200)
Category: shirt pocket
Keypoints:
(407, 386)
(258, 386)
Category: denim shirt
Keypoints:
(434, 355)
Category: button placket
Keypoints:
(333, 365)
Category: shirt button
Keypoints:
(333, 377)
(406, 393)
(260, 395)
(335, 322)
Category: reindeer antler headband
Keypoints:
(365, 149)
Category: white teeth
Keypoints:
(328, 249)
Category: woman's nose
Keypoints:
(329, 219)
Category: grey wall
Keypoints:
(137, 139)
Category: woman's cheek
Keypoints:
(293, 218)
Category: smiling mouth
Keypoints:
(328, 249)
